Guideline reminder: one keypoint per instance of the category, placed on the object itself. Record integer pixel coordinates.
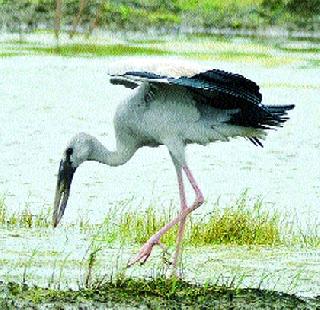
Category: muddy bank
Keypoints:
(152, 294)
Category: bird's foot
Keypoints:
(145, 251)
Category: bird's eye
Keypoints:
(69, 151)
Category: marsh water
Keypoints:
(45, 100)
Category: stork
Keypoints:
(201, 108)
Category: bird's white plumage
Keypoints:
(172, 117)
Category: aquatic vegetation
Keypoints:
(92, 257)
(262, 51)
(244, 222)
(24, 218)
(312, 50)
(237, 54)
(313, 63)
(10, 54)
(97, 50)
(17, 42)
(3, 210)
(238, 224)
(153, 293)
(147, 41)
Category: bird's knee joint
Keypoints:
(200, 199)
(198, 202)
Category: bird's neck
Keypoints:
(112, 158)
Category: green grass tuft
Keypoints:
(24, 218)
(97, 50)
(238, 224)
(9, 54)
(313, 50)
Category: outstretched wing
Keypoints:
(222, 90)
(137, 77)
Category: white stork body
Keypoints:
(172, 117)
(202, 108)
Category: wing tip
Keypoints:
(255, 141)
(121, 80)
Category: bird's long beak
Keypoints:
(65, 176)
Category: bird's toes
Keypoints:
(133, 261)
(143, 260)
(146, 250)
(142, 256)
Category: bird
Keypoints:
(173, 110)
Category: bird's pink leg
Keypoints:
(145, 251)
(183, 206)
(199, 196)
(198, 202)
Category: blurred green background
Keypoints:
(201, 16)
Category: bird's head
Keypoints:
(77, 151)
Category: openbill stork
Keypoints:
(205, 107)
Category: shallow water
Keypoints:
(59, 259)
(46, 100)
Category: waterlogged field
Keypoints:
(259, 227)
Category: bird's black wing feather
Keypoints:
(227, 91)
(233, 84)
(147, 75)
(224, 90)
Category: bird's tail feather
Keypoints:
(261, 116)
(277, 115)
(279, 110)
